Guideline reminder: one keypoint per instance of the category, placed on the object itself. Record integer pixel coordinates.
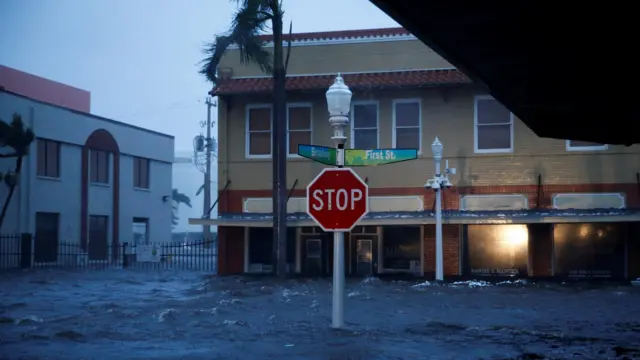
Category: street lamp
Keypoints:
(439, 182)
(339, 104)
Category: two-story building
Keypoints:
(87, 180)
(520, 205)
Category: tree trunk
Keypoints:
(12, 189)
(280, 147)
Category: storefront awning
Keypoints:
(448, 217)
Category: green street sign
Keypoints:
(356, 157)
(322, 154)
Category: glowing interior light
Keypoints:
(516, 236)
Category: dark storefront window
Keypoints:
(401, 248)
(497, 250)
(589, 250)
(261, 246)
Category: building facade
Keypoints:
(521, 205)
(87, 180)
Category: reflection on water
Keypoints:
(497, 250)
(171, 315)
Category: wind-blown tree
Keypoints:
(15, 138)
(249, 22)
(178, 198)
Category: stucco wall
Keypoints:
(63, 195)
(446, 114)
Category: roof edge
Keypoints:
(96, 117)
(340, 37)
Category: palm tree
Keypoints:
(250, 20)
(18, 138)
(178, 198)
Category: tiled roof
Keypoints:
(408, 78)
(342, 34)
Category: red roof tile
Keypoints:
(409, 78)
(341, 34)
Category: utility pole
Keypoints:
(207, 174)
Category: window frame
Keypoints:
(352, 126)
(395, 102)
(247, 131)
(58, 155)
(108, 170)
(475, 128)
(136, 162)
(141, 221)
(602, 147)
(310, 129)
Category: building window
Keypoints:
(99, 166)
(299, 126)
(401, 248)
(364, 129)
(407, 133)
(258, 141)
(260, 249)
(140, 231)
(140, 173)
(98, 248)
(46, 237)
(48, 158)
(493, 126)
(576, 145)
(496, 250)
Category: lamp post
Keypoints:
(439, 182)
(338, 104)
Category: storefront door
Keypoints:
(313, 263)
(364, 257)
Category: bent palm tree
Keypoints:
(178, 198)
(18, 138)
(251, 19)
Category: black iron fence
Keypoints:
(25, 251)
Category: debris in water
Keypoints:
(168, 314)
(471, 283)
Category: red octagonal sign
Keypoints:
(337, 199)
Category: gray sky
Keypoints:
(139, 58)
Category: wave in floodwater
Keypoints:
(174, 315)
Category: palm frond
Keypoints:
(248, 23)
(16, 136)
(214, 51)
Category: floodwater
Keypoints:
(131, 314)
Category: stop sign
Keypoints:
(337, 199)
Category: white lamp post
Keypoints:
(339, 104)
(439, 182)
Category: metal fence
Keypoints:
(25, 251)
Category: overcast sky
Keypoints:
(139, 58)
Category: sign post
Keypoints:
(336, 200)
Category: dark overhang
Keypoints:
(567, 70)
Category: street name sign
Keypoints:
(357, 157)
(337, 199)
(322, 154)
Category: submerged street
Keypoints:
(130, 314)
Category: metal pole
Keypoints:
(337, 318)
(207, 174)
(439, 255)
